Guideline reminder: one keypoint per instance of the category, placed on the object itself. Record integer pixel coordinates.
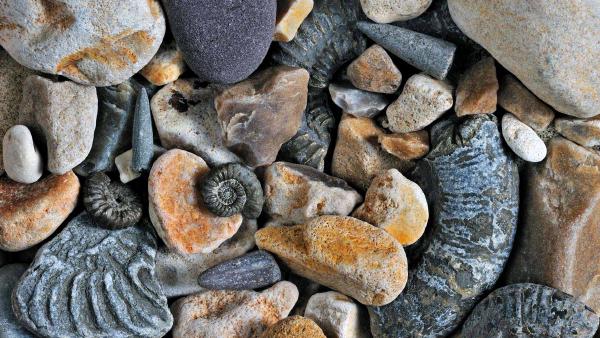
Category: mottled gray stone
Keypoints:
(254, 270)
(357, 102)
(9, 326)
(93, 282)
(472, 187)
(530, 310)
(142, 141)
(431, 55)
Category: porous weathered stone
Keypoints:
(30, 213)
(343, 253)
(263, 112)
(407, 146)
(559, 240)
(397, 205)
(295, 193)
(94, 282)
(337, 315)
(92, 42)
(522, 139)
(123, 163)
(166, 66)
(176, 208)
(477, 90)
(386, 11)
(63, 114)
(142, 140)
(294, 327)
(470, 233)
(530, 40)
(357, 102)
(9, 326)
(22, 160)
(530, 310)
(582, 132)
(357, 157)
(375, 71)
(243, 314)
(290, 15)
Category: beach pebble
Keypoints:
(263, 112)
(123, 163)
(30, 213)
(522, 139)
(296, 193)
(243, 314)
(406, 146)
(294, 327)
(222, 42)
(342, 253)
(477, 90)
(92, 42)
(64, 115)
(582, 132)
(290, 15)
(397, 205)
(375, 71)
(423, 100)
(9, 326)
(142, 140)
(519, 101)
(338, 315)
(357, 102)
(22, 160)
(387, 11)
(166, 66)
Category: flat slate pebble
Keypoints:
(9, 326)
(22, 159)
(522, 139)
(357, 102)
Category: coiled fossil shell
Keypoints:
(232, 189)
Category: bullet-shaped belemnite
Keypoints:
(142, 138)
(251, 271)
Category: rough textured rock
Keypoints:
(357, 157)
(9, 326)
(263, 112)
(582, 132)
(22, 159)
(517, 99)
(63, 114)
(337, 315)
(387, 11)
(29, 213)
(407, 146)
(92, 42)
(357, 102)
(559, 237)
(123, 164)
(294, 327)
(178, 274)
(530, 310)
(342, 253)
(94, 282)
(375, 71)
(142, 140)
(243, 314)
(166, 66)
(176, 208)
(423, 100)
(397, 205)
(185, 118)
(290, 15)
(296, 193)
(222, 42)
(477, 90)
(522, 140)
(529, 39)
(469, 236)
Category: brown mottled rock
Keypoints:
(407, 146)
(397, 205)
(342, 253)
(176, 208)
(290, 15)
(517, 99)
(375, 71)
(260, 114)
(357, 157)
(165, 67)
(239, 314)
(559, 240)
(30, 213)
(294, 327)
(582, 132)
(477, 90)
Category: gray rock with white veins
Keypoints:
(9, 326)
(357, 102)
(142, 140)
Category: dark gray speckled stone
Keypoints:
(9, 326)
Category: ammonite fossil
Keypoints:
(232, 189)
(112, 205)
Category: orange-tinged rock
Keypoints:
(375, 71)
(165, 67)
(517, 99)
(477, 91)
(406, 146)
(294, 327)
(176, 208)
(30, 213)
(342, 253)
(290, 15)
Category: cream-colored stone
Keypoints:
(387, 11)
(290, 15)
(337, 315)
(522, 139)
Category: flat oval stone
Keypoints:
(522, 139)
(9, 326)
(22, 160)
(222, 41)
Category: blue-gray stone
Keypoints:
(9, 326)
(472, 188)
(142, 139)
(530, 311)
(254, 270)
(431, 55)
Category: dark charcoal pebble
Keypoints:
(142, 139)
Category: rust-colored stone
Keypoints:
(294, 327)
(407, 146)
(517, 99)
(375, 71)
(477, 90)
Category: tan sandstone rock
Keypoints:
(375, 71)
(290, 15)
(518, 100)
(477, 90)
(406, 146)
(165, 67)
(294, 327)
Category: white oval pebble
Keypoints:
(522, 139)
(22, 160)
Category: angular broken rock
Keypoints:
(582, 132)
(517, 99)
(166, 66)
(477, 90)
(176, 208)
(260, 114)
(290, 15)
(357, 102)
(123, 164)
(338, 315)
(343, 253)
(93, 42)
(243, 314)
(375, 71)
(469, 236)
(560, 237)
(295, 193)
(294, 327)
(406, 146)
(30, 213)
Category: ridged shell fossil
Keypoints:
(232, 189)
(112, 205)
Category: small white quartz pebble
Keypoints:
(336, 314)
(22, 160)
(386, 11)
(522, 139)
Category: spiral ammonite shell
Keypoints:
(232, 189)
